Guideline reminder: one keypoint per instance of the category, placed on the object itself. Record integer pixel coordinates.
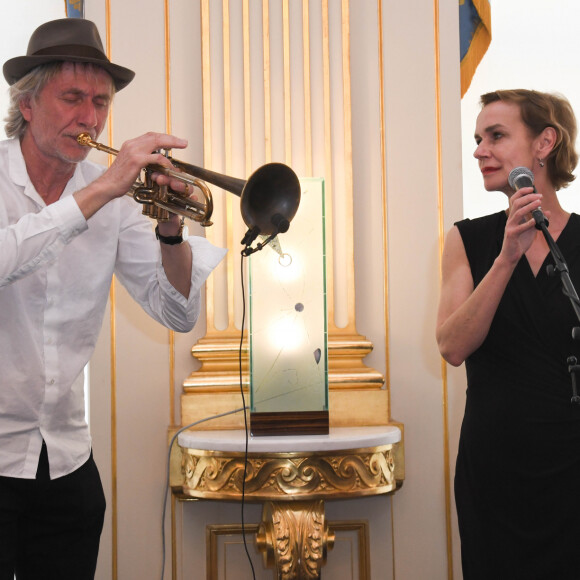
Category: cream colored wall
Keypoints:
(419, 161)
(410, 538)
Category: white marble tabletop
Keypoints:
(339, 438)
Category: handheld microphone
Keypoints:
(523, 177)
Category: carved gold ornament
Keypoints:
(294, 538)
(303, 476)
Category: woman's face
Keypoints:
(503, 143)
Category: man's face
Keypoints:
(76, 100)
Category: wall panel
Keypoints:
(138, 368)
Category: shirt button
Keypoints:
(51, 382)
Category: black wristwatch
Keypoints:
(172, 240)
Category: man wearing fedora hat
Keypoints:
(66, 227)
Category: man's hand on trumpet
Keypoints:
(175, 184)
(134, 155)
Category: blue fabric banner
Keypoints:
(474, 37)
(75, 8)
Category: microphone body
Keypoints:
(523, 177)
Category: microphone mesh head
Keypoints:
(518, 172)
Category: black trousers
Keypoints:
(50, 529)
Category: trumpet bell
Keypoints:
(270, 199)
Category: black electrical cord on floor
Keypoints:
(246, 429)
(166, 489)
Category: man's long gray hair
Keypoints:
(28, 87)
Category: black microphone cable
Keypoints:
(246, 428)
(168, 470)
(246, 446)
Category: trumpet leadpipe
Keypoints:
(85, 139)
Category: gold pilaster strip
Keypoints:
(114, 512)
(247, 87)
(226, 44)
(384, 197)
(172, 417)
(167, 67)
(307, 97)
(114, 495)
(445, 396)
(267, 82)
(348, 183)
(207, 142)
(287, 83)
(248, 153)
(328, 181)
(393, 567)
(173, 539)
(383, 125)
(171, 333)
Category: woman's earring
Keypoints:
(541, 163)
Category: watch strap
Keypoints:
(169, 240)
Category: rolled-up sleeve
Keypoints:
(139, 268)
(182, 313)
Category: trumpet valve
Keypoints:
(155, 212)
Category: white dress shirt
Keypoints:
(55, 276)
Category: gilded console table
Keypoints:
(292, 476)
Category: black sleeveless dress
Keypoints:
(517, 481)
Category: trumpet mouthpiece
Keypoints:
(84, 139)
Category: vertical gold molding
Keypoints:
(172, 417)
(167, 66)
(113, 432)
(173, 539)
(207, 142)
(328, 180)
(247, 87)
(171, 333)
(171, 346)
(226, 43)
(287, 99)
(307, 97)
(267, 93)
(114, 513)
(445, 397)
(383, 146)
(348, 182)
(383, 132)
(227, 91)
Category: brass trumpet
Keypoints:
(269, 199)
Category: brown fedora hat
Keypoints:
(69, 40)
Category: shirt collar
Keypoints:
(19, 174)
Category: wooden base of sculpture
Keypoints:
(285, 423)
